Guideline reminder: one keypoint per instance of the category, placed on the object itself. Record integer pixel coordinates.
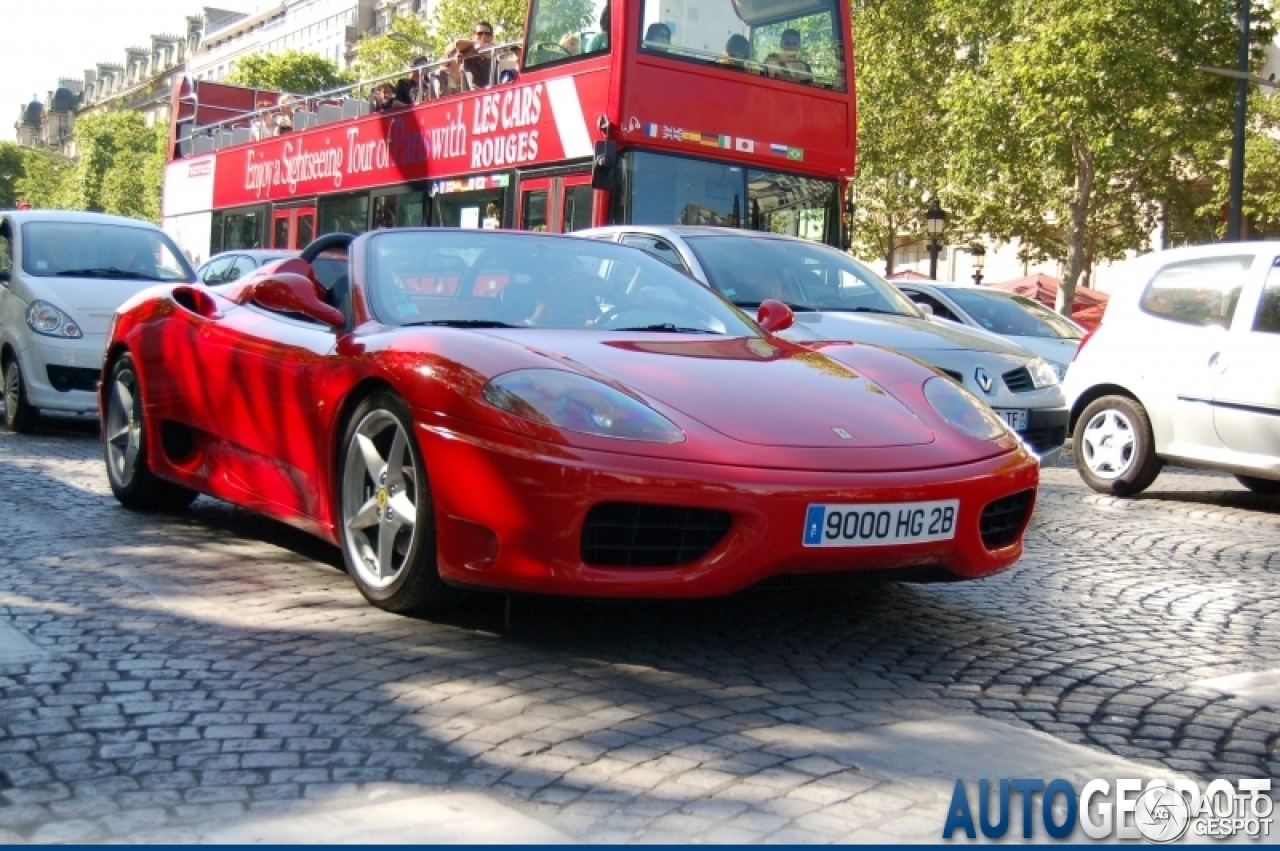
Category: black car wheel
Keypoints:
(1114, 447)
(19, 415)
(125, 446)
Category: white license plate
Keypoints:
(875, 525)
(1014, 418)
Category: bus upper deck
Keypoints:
(728, 112)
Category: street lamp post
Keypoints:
(936, 223)
(979, 255)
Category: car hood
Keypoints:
(904, 333)
(89, 301)
(1053, 349)
(748, 389)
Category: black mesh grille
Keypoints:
(1045, 439)
(1019, 380)
(625, 534)
(1002, 519)
(64, 378)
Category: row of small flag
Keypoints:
(712, 140)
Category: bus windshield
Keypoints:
(659, 189)
(795, 41)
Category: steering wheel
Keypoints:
(328, 242)
(650, 316)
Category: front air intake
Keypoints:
(1019, 380)
(1003, 519)
(626, 534)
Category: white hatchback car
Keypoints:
(62, 276)
(1184, 368)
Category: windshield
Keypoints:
(806, 276)
(1013, 315)
(525, 281)
(92, 250)
(795, 41)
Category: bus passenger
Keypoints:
(409, 89)
(658, 34)
(600, 41)
(284, 118)
(384, 98)
(737, 52)
(786, 63)
(509, 65)
(571, 44)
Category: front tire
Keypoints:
(1257, 485)
(1114, 447)
(387, 518)
(124, 442)
(19, 415)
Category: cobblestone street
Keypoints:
(180, 678)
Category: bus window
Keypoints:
(794, 41)
(533, 216)
(658, 189)
(566, 29)
(577, 207)
(344, 213)
(399, 210)
(243, 229)
(795, 206)
(464, 209)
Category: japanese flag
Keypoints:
(747, 146)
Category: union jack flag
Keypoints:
(675, 133)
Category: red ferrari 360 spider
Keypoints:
(547, 414)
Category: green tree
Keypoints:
(906, 54)
(11, 171)
(455, 19)
(406, 38)
(1070, 120)
(119, 166)
(296, 71)
(1261, 173)
(31, 176)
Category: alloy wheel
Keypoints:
(1109, 441)
(379, 499)
(124, 429)
(12, 383)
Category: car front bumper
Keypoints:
(511, 514)
(62, 375)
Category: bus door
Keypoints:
(293, 227)
(560, 204)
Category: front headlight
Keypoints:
(44, 318)
(574, 402)
(962, 410)
(1042, 375)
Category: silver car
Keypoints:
(62, 276)
(1017, 318)
(837, 298)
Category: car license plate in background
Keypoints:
(1014, 418)
(879, 524)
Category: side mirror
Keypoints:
(604, 165)
(925, 307)
(774, 316)
(290, 293)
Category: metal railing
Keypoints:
(425, 83)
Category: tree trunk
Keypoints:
(891, 250)
(1076, 228)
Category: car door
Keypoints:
(6, 271)
(1246, 398)
(265, 366)
(1176, 340)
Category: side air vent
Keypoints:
(1019, 380)
(625, 534)
(1003, 519)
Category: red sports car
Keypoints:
(470, 409)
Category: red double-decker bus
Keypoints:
(729, 112)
